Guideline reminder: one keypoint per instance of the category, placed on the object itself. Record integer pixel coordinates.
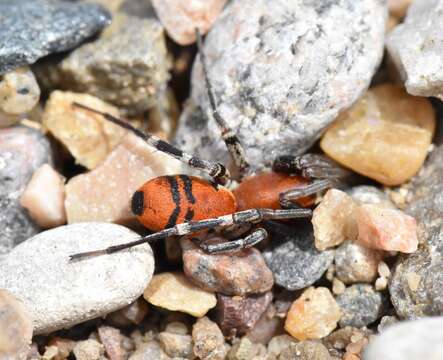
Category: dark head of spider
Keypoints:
(180, 205)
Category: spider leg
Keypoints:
(229, 246)
(252, 216)
(216, 171)
(231, 140)
(288, 197)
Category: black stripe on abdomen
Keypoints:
(175, 193)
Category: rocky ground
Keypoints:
(359, 81)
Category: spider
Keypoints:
(181, 205)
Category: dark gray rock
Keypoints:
(277, 79)
(361, 305)
(416, 286)
(31, 29)
(293, 258)
(22, 151)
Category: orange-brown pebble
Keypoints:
(263, 191)
(169, 200)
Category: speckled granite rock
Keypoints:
(31, 29)
(60, 293)
(293, 258)
(416, 49)
(277, 80)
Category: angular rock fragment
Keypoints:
(209, 343)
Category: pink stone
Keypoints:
(181, 18)
(386, 229)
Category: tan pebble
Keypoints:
(173, 291)
(313, 315)
(279, 343)
(381, 284)
(19, 91)
(88, 350)
(413, 280)
(64, 347)
(383, 269)
(356, 347)
(104, 193)
(88, 136)
(338, 287)
(182, 18)
(176, 345)
(350, 356)
(386, 229)
(44, 197)
(209, 343)
(384, 136)
(333, 220)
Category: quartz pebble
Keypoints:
(386, 229)
(16, 325)
(31, 29)
(415, 50)
(173, 291)
(22, 151)
(384, 136)
(128, 166)
(411, 340)
(279, 83)
(338, 287)
(361, 305)
(88, 136)
(242, 273)
(355, 263)
(61, 293)
(366, 194)
(176, 345)
(293, 258)
(305, 350)
(19, 92)
(313, 315)
(333, 220)
(181, 19)
(237, 315)
(88, 350)
(44, 197)
(112, 339)
(209, 343)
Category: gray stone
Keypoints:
(416, 286)
(386, 322)
(411, 340)
(293, 258)
(417, 51)
(361, 305)
(22, 151)
(176, 345)
(31, 29)
(61, 293)
(277, 79)
(127, 66)
(150, 350)
(366, 194)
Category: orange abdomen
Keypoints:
(263, 191)
(169, 200)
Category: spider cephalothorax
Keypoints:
(180, 205)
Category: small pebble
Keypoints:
(173, 291)
(88, 350)
(381, 284)
(293, 257)
(341, 338)
(209, 343)
(313, 315)
(16, 327)
(44, 197)
(409, 340)
(305, 350)
(386, 229)
(61, 293)
(176, 345)
(88, 136)
(355, 263)
(64, 347)
(333, 220)
(279, 343)
(338, 287)
(182, 18)
(32, 29)
(242, 350)
(383, 269)
(242, 273)
(384, 136)
(385, 322)
(237, 315)
(133, 313)
(366, 194)
(127, 167)
(177, 327)
(150, 350)
(269, 324)
(361, 305)
(19, 91)
(112, 340)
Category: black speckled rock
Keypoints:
(22, 151)
(293, 258)
(416, 286)
(31, 29)
(361, 305)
